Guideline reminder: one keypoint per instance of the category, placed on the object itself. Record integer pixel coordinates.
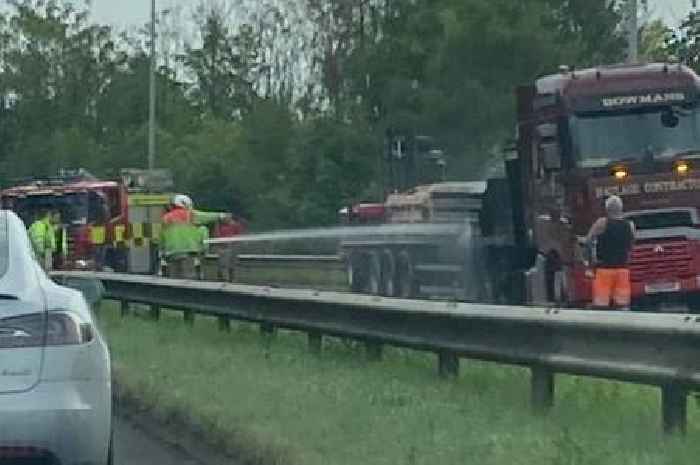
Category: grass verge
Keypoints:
(277, 404)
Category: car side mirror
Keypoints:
(92, 289)
(551, 155)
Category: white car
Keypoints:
(55, 374)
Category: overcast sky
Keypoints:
(135, 12)
(126, 13)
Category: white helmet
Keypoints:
(182, 201)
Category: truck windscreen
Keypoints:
(661, 219)
(599, 139)
(73, 207)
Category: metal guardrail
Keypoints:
(651, 349)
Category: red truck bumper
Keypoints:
(581, 287)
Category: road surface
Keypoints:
(135, 446)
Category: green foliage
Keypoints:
(654, 41)
(685, 45)
(282, 117)
(223, 64)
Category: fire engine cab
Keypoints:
(103, 224)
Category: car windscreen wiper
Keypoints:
(8, 297)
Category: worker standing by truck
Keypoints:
(43, 238)
(182, 241)
(614, 238)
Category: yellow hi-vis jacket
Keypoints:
(42, 236)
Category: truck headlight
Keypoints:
(682, 167)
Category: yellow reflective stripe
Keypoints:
(98, 235)
(149, 200)
(155, 230)
(119, 233)
(136, 230)
(139, 234)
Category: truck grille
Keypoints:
(659, 261)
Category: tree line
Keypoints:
(277, 110)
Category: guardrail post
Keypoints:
(189, 317)
(155, 312)
(448, 364)
(125, 308)
(267, 329)
(225, 324)
(373, 350)
(542, 385)
(315, 342)
(674, 408)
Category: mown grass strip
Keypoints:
(284, 405)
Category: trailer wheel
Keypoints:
(405, 276)
(357, 272)
(374, 283)
(388, 273)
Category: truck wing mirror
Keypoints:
(551, 155)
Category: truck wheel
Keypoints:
(357, 272)
(374, 283)
(388, 273)
(405, 276)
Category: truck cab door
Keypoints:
(551, 224)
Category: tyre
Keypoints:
(388, 273)
(405, 277)
(374, 283)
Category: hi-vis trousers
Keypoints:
(612, 284)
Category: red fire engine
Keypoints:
(104, 224)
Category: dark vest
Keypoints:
(614, 245)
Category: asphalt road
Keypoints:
(134, 446)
